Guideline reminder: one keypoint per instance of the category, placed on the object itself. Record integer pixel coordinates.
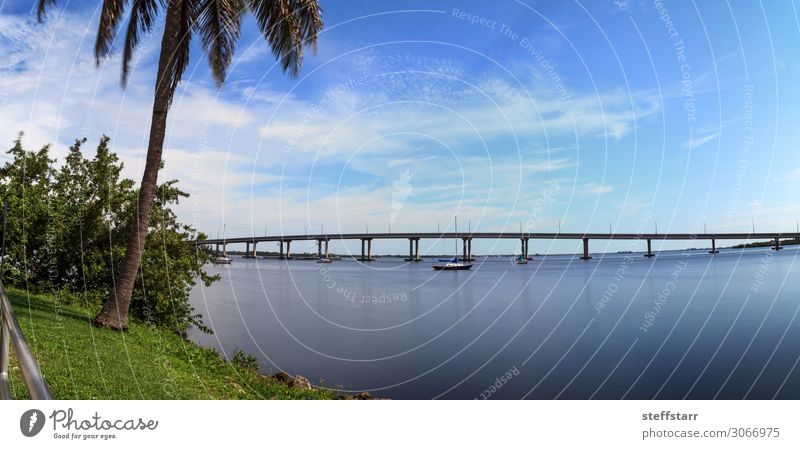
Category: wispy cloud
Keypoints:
(252, 155)
(409, 160)
(550, 165)
(595, 188)
(696, 142)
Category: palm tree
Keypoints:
(287, 25)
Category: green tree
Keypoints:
(287, 25)
(68, 226)
(26, 187)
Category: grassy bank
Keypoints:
(83, 362)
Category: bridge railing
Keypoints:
(11, 333)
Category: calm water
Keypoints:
(621, 326)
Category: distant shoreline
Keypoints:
(787, 242)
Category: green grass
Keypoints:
(83, 362)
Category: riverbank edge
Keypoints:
(80, 361)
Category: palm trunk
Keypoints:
(115, 310)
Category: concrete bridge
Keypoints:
(467, 237)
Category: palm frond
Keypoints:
(288, 25)
(309, 14)
(219, 24)
(143, 17)
(110, 17)
(41, 8)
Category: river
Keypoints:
(684, 324)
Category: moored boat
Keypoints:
(452, 266)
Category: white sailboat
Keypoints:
(326, 258)
(223, 259)
(454, 264)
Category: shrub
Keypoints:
(244, 361)
(67, 231)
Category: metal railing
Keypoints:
(11, 333)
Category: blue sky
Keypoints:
(594, 115)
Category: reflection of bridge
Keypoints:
(466, 238)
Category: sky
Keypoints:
(588, 116)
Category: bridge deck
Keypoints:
(508, 235)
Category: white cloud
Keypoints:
(550, 165)
(246, 155)
(792, 176)
(408, 160)
(699, 141)
(596, 188)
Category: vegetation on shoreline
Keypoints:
(146, 362)
(68, 225)
(786, 242)
(287, 27)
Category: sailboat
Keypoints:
(453, 264)
(326, 258)
(223, 259)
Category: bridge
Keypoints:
(467, 237)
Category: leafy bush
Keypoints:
(67, 231)
(244, 361)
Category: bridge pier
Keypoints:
(413, 250)
(288, 249)
(524, 248)
(216, 249)
(280, 250)
(713, 247)
(319, 249)
(247, 253)
(368, 256)
(463, 249)
(255, 254)
(777, 245)
(327, 251)
(649, 249)
(469, 250)
(586, 255)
